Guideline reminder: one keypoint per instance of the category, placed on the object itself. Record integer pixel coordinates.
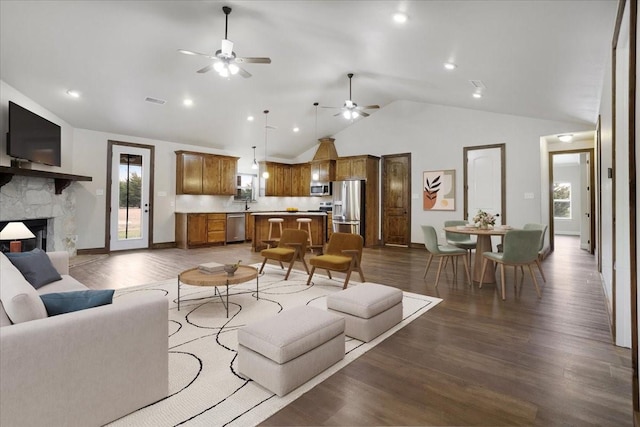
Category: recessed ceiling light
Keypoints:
(400, 17)
(477, 95)
(296, 129)
(188, 102)
(250, 118)
(73, 93)
(565, 138)
(450, 66)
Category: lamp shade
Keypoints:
(16, 231)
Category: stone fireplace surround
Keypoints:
(26, 198)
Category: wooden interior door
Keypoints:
(396, 199)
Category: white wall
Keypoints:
(436, 135)
(571, 174)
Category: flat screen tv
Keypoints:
(32, 137)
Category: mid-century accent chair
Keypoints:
(520, 248)
(292, 246)
(444, 252)
(343, 253)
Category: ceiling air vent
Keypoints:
(477, 84)
(155, 100)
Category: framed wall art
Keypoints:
(439, 190)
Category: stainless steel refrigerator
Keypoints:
(348, 207)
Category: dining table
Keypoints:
(483, 244)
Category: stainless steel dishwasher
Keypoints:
(235, 227)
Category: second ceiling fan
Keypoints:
(350, 110)
(225, 59)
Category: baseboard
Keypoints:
(163, 245)
(93, 251)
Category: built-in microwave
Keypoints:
(321, 189)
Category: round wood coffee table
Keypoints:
(196, 277)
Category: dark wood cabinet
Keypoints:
(356, 167)
(300, 179)
(325, 170)
(202, 173)
(200, 229)
(279, 181)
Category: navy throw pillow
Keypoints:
(35, 266)
(66, 302)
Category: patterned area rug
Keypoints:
(205, 388)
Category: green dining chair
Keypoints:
(543, 227)
(520, 248)
(444, 252)
(460, 240)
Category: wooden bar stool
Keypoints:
(308, 222)
(272, 221)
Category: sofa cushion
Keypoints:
(35, 266)
(66, 302)
(67, 284)
(19, 299)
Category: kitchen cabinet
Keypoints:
(300, 179)
(261, 227)
(324, 169)
(202, 173)
(279, 181)
(249, 221)
(329, 225)
(200, 229)
(356, 167)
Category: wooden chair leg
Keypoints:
(281, 265)
(466, 268)
(262, 266)
(329, 274)
(535, 282)
(313, 268)
(428, 265)
(359, 268)
(544, 279)
(346, 280)
(439, 269)
(484, 268)
(504, 290)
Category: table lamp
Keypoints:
(16, 231)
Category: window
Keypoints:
(562, 200)
(246, 184)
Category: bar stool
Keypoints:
(308, 222)
(272, 221)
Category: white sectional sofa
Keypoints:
(84, 368)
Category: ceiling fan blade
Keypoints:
(190, 52)
(363, 114)
(254, 60)
(205, 69)
(369, 107)
(244, 73)
(333, 108)
(337, 114)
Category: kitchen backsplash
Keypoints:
(193, 204)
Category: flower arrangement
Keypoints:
(484, 219)
(231, 268)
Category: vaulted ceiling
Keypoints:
(543, 59)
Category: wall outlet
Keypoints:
(415, 196)
(99, 192)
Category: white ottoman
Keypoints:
(369, 309)
(287, 350)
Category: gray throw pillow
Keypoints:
(35, 266)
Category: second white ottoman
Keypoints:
(288, 349)
(369, 309)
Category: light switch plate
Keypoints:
(99, 192)
(529, 196)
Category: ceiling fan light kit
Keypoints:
(351, 110)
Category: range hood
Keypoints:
(326, 150)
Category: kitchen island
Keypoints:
(261, 227)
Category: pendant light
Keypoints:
(316, 174)
(265, 174)
(254, 165)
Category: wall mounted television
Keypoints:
(32, 137)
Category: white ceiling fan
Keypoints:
(350, 110)
(225, 59)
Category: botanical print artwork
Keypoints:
(439, 190)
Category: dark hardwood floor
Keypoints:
(472, 360)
